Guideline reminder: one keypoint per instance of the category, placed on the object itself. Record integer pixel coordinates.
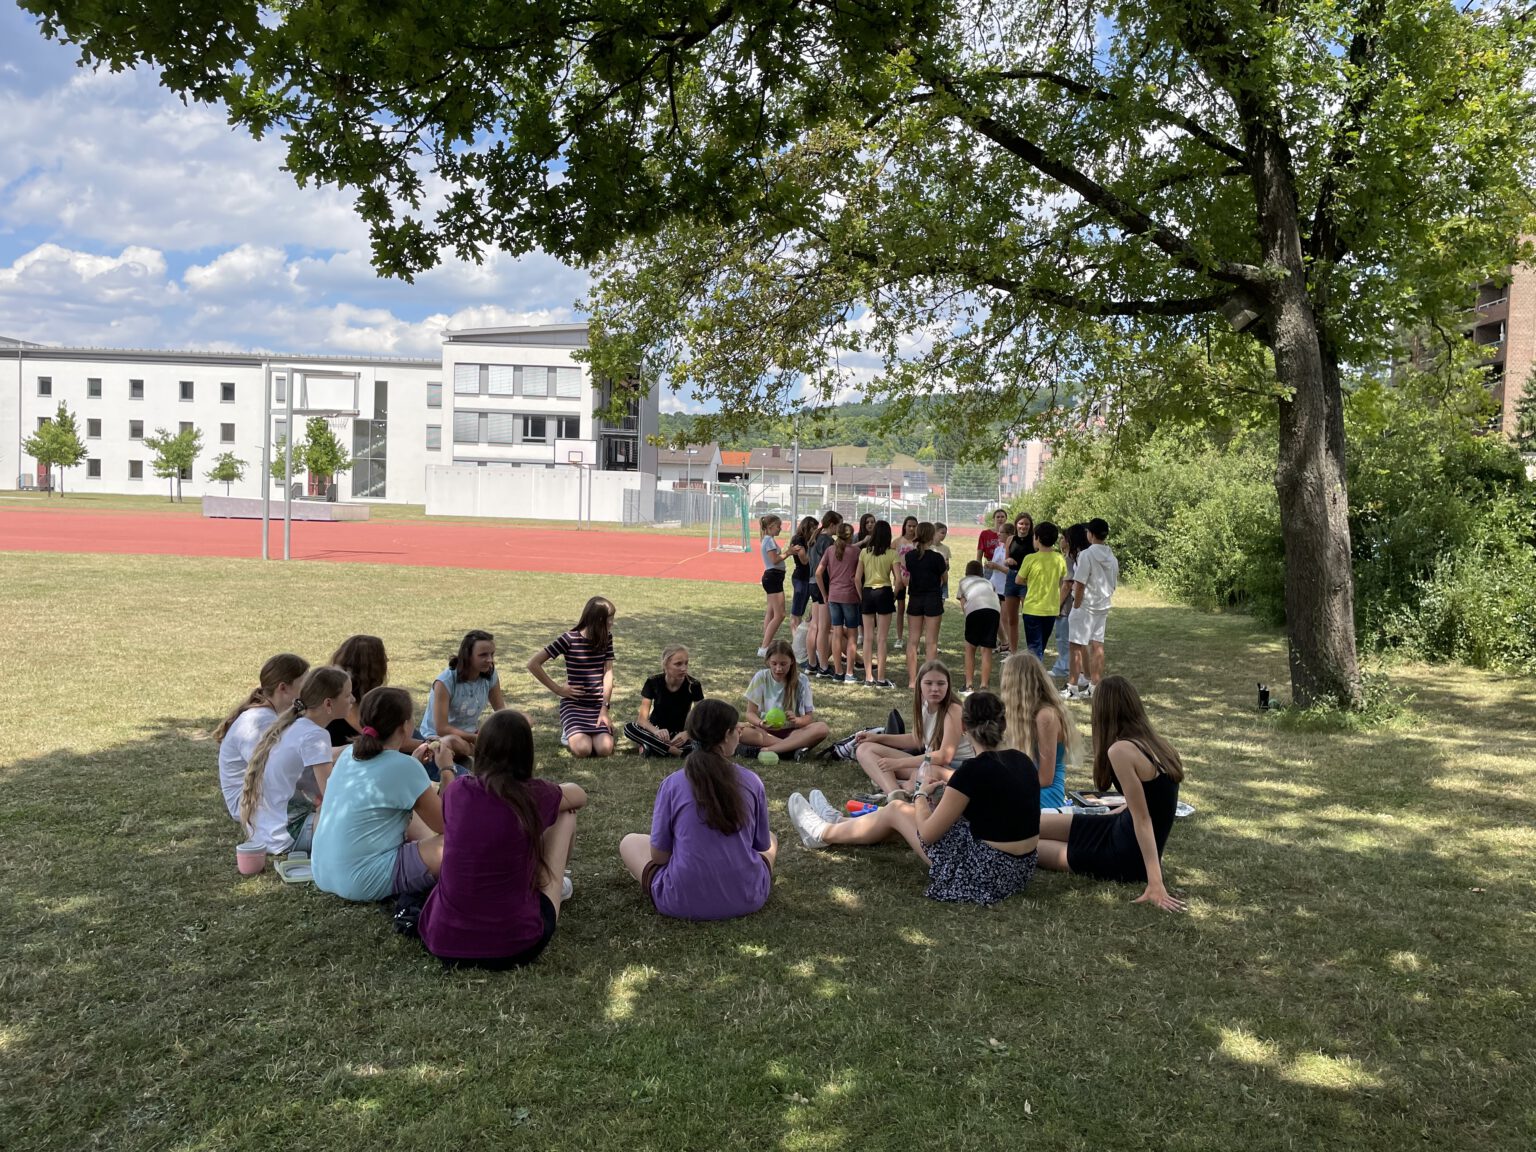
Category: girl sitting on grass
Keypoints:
(380, 828)
(288, 770)
(710, 854)
(1126, 845)
(588, 652)
(1038, 724)
(979, 841)
(507, 835)
(891, 761)
(242, 728)
(781, 687)
(665, 701)
(462, 690)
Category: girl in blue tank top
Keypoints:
(1039, 724)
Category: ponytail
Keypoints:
(318, 686)
(382, 712)
(284, 668)
(713, 779)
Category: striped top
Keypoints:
(583, 664)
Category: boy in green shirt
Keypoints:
(1042, 571)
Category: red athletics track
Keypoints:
(415, 543)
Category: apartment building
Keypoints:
(1504, 324)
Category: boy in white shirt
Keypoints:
(983, 611)
(1094, 581)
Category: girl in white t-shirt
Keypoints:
(288, 770)
(781, 686)
(242, 728)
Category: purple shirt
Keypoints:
(486, 903)
(710, 876)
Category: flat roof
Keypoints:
(190, 356)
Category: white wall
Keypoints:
(535, 492)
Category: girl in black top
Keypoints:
(1022, 545)
(923, 576)
(800, 578)
(665, 701)
(979, 841)
(1126, 845)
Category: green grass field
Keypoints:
(1355, 970)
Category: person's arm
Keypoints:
(1123, 757)
(607, 691)
(497, 698)
(572, 797)
(644, 719)
(949, 743)
(1047, 738)
(933, 822)
(794, 716)
(429, 806)
(536, 667)
(777, 552)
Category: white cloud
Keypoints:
(239, 270)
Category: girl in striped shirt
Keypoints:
(588, 687)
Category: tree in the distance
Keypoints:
(322, 453)
(1026, 213)
(57, 444)
(227, 469)
(175, 454)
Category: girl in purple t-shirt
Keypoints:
(709, 855)
(506, 838)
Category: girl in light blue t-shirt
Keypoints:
(463, 689)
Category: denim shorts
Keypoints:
(845, 615)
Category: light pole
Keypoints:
(688, 482)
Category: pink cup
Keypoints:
(250, 858)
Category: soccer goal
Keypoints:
(729, 528)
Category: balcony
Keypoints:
(1492, 312)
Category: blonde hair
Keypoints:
(318, 686)
(284, 668)
(670, 651)
(1027, 689)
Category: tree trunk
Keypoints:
(1310, 477)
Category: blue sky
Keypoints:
(130, 220)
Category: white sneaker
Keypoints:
(565, 888)
(850, 679)
(806, 822)
(823, 807)
(761, 652)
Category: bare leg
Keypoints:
(580, 745)
(808, 737)
(558, 838)
(773, 616)
(1055, 828)
(931, 637)
(635, 851)
(914, 632)
(1011, 621)
(986, 667)
(853, 651)
(895, 819)
(869, 639)
(878, 762)
(417, 829)
(836, 649)
(602, 744)
(883, 628)
(432, 853)
(1096, 662)
(970, 666)
(824, 636)
(1077, 659)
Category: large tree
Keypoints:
(1003, 202)
(57, 444)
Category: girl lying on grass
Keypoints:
(242, 728)
(1038, 724)
(1126, 845)
(979, 841)
(287, 772)
(380, 828)
(781, 693)
(710, 854)
(588, 652)
(892, 761)
(665, 702)
(506, 838)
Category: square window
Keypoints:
(43, 422)
(568, 427)
(536, 381)
(500, 428)
(434, 437)
(501, 380)
(466, 427)
(568, 383)
(434, 393)
(45, 385)
(93, 469)
(186, 426)
(135, 469)
(185, 474)
(93, 388)
(534, 429)
(227, 392)
(93, 429)
(135, 389)
(135, 429)
(186, 389)
(466, 379)
(226, 433)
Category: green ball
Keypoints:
(767, 757)
(775, 718)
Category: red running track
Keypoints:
(413, 543)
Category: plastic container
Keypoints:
(250, 858)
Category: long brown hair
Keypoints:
(284, 668)
(504, 764)
(463, 664)
(318, 686)
(844, 535)
(936, 741)
(596, 623)
(924, 537)
(1027, 690)
(362, 658)
(792, 680)
(382, 712)
(715, 781)
(1118, 715)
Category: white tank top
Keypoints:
(964, 750)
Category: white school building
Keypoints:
(503, 423)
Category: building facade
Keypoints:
(1504, 325)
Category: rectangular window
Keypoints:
(500, 428)
(93, 469)
(434, 393)
(370, 456)
(280, 389)
(45, 385)
(568, 427)
(186, 426)
(434, 437)
(186, 389)
(279, 431)
(381, 400)
(135, 389)
(466, 379)
(226, 393)
(135, 469)
(466, 427)
(135, 429)
(185, 473)
(536, 381)
(226, 433)
(93, 388)
(501, 380)
(534, 430)
(568, 383)
(43, 422)
(93, 429)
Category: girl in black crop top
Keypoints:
(1126, 845)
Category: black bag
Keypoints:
(894, 724)
(408, 906)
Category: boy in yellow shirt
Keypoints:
(1042, 571)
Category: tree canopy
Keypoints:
(57, 443)
(175, 454)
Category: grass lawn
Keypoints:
(1356, 969)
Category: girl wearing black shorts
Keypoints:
(800, 578)
(877, 563)
(925, 569)
(1125, 845)
(773, 580)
